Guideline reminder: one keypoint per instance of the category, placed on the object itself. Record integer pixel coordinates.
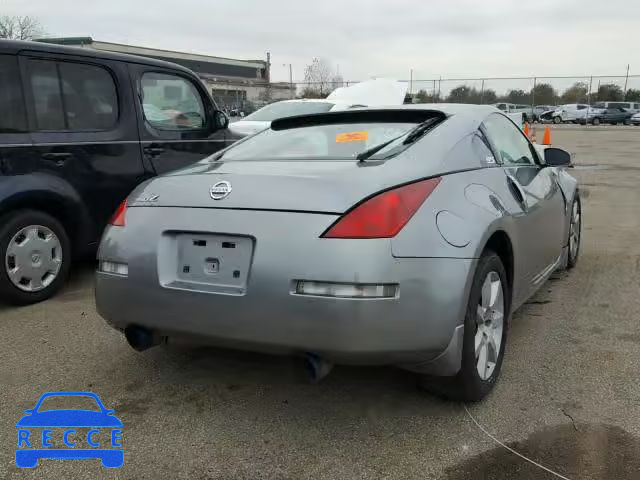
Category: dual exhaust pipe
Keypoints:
(141, 339)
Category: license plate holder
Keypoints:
(207, 262)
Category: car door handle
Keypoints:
(517, 191)
(153, 150)
(59, 158)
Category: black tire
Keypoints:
(627, 122)
(557, 120)
(572, 258)
(467, 385)
(10, 225)
(596, 121)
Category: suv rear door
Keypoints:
(15, 142)
(83, 127)
(175, 118)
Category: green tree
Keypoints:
(467, 94)
(633, 95)
(576, 93)
(488, 96)
(425, 97)
(517, 96)
(544, 94)
(608, 92)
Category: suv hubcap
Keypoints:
(489, 325)
(34, 258)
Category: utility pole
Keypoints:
(626, 80)
(267, 93)
(411, 82)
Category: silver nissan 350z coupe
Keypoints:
(400, 236)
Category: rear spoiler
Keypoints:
(387, 115)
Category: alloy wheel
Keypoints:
(33, 258)
(489, 325)
(574, 230)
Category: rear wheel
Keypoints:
(36, 253)
(557, 120)
(575, 232)
(627, 122)
(485, 335)
(596, 121)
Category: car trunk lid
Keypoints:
(313, 186)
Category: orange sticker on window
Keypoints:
(352, 137)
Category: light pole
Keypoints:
(290, 79)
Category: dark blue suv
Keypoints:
(79, 129)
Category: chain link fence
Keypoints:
(243, 99)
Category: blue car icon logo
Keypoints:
(40, 428)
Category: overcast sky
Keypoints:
(454, 38)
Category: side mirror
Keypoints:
(220, 120)
(556, 157)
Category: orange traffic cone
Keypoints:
(546, 139)
(526, 129)
(533, 135)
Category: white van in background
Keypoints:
(632, 107)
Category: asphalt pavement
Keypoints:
(568, 398)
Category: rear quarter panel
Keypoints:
(459, 218)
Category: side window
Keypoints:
(72, 96)
(512, 147)
(47, 96)
(13, 118)
(582, 107)
(481, 147)
(170, 102)
(90, 98)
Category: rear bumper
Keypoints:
(412, 329)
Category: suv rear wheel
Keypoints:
(35, 254)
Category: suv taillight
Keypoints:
(385, 214)
(117, 220)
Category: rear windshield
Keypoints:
(318, 142)
(288, 109)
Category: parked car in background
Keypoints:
(376, 92)
(540, 110)
(611, 115)
(573, 112)
(635, 119)
(632, 107)
(79, 129)
(527, 111)
(439, 208)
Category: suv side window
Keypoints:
(72, 96)
(170, 102)
(90, 98)
(47, 97)
(511, 145)
(13, 118)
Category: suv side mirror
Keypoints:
(220, 120)
(556, 157)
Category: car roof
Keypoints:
(18, 46)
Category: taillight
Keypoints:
(117, 220)
(384, 215)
